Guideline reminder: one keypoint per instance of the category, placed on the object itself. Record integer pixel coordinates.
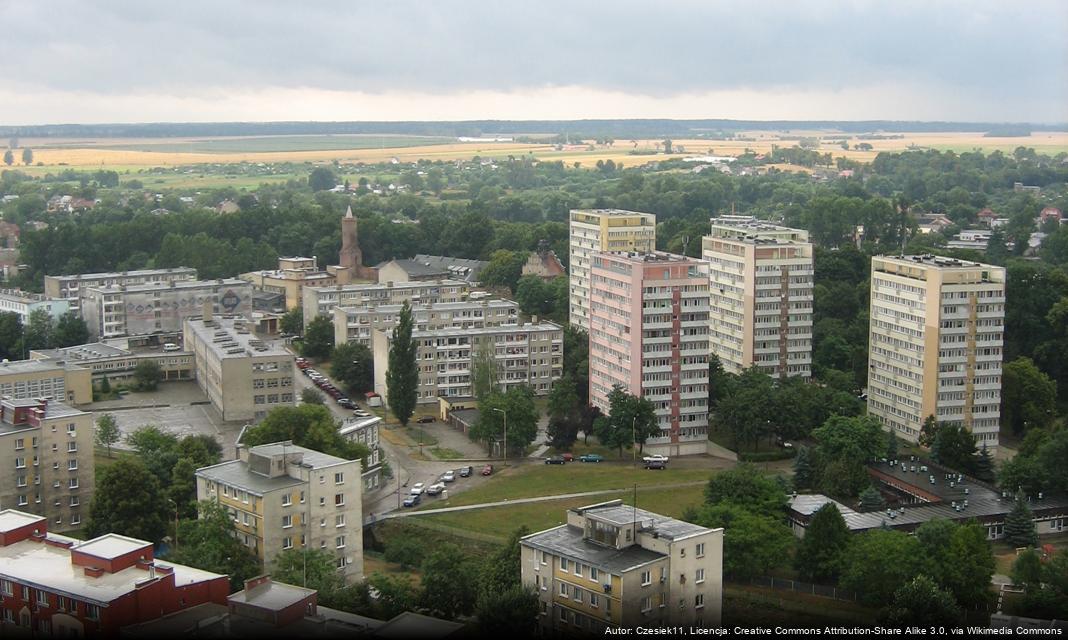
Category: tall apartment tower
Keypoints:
(649, 335)
(760, 285)
(595, 230)
(935, 344)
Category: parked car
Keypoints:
(345, 402)
(655, 458)
(303, 363)
(435, 489)
(417, 488)
(360, 413)
(655, 464)
(448, 476)
(591, 457)
(412, 500)
(567, 457)
(465, 472)
(488, 469)
(555, 460)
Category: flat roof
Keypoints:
(175, 284)
(310, 457)
(652, 256)
(485, 303)
(125, 274)
(807, 504)
(568, 541)
(272, 595)
(11, 519)
(27, 296)
(232, 338)
(504, 328)
(415, 625)
(29, 366)
(111, 546)
(83, 352)
(622, 515)
(353, 424)
(937, 262)
(236, 474)
(375, 286)
(612, 212)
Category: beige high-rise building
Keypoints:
(613, 565)
(355, 324)
(594, 230)
(935, 344)
(72, 287)
(760, 288)
(282, 496)
(46, 453)
(63, 381)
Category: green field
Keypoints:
(265, 144)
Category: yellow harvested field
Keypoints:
(83, 154)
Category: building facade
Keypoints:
(614, 565)
(55, 586)
(72, 287)
(46, 449)
(116, 363)
(242, 376)
(594, 230)
(527, 354)
(282, 497)
(355, 324)
(365, 431)
(322, 300)
(935, 344)
(649, 336)
(146, 309)
(290, 279)
(60, 381)
(23, 303)
(760, 278)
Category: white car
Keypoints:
(448, 476)
(417, 488)
(655, 458)
(435, 489)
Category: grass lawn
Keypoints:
(444, 453)
(373, 562)
(420, 436)
(754, 606)
(530, 481)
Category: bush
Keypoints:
(405, 551)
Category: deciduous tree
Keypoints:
(819, 553)
(922, 604)
(107, 431)
(127, 501)
(210, 543)
(402, 375)
(878, 563)
(319, 338)
(352, 364)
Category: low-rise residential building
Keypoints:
(55, 586)
(322, 300)
(365, 431)
(65, 382)
(282, 496)
(409, 271)
(614, 565)
(977, 239)
(291, 277)
(527, 354)
(146, 309)
(23, 303)
(243, 376)
(648, 318)
(543, 263)
(464, 269)
(46, 449)
(116, 361)
(760, 290)
(355, 324)
(72, 287)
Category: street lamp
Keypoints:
(175, 522)
(505, 430)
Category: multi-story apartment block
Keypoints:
(290, 279)
(282, 496)
(46, 453)
(594, 230)
(322, 300)
(527, 354)
(355, 324)
(114, 360)
(760, 278)
(614, 565)
(55, 586)
(61, 381)
(146, 309)
(649, 336)
(365, 431)
(72, 287)
(935, 344)
(243, 376)
(23, 303)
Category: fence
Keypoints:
(819, 590)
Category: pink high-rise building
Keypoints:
(649, 335)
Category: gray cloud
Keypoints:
(986, 50)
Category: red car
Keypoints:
(488, 469)
(302, 363)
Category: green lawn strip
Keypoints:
(420, 436)
(749, 605)
(444, 453)
(532, 481)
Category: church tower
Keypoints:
(351, 256)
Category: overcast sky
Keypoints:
(212, 60)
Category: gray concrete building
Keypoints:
(72, 287)
(322, 300)
(355, 324)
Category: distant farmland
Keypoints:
(260, 144)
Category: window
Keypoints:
(647, 604)
(302, 497)
(593, 574)
(71, 429)
(92, 611)
(700, 576)
(593, 600)
(339, 542)
(701, 550)
(339, 520)
(73, 483)
(42, 598)
(72, 464)
(287, 522)
(339, 499)
(340, 564)
(339, 478)
(22, 500)
(20, 463)
(20, 444)
(74, 501)
(6, 588)
(544, 608)
(61, 603)
(72, 447)
(578, 569)
(544, 583)
(25, 594)
(647, 578)
(287, 543)
(322, 501)
(563, 614)
(563, 589)
(576, 593)
(699, 601)
(75, 518)
(287, 500)
(563, 564)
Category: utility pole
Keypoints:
(505, 413)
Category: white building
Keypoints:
(72, 287)
(356, 324)
(23, 303)
(322, 300)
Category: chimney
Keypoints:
(207, 310)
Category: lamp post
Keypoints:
(633, 441)
(505, 413)
(175, 522)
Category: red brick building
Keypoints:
(55, 585)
